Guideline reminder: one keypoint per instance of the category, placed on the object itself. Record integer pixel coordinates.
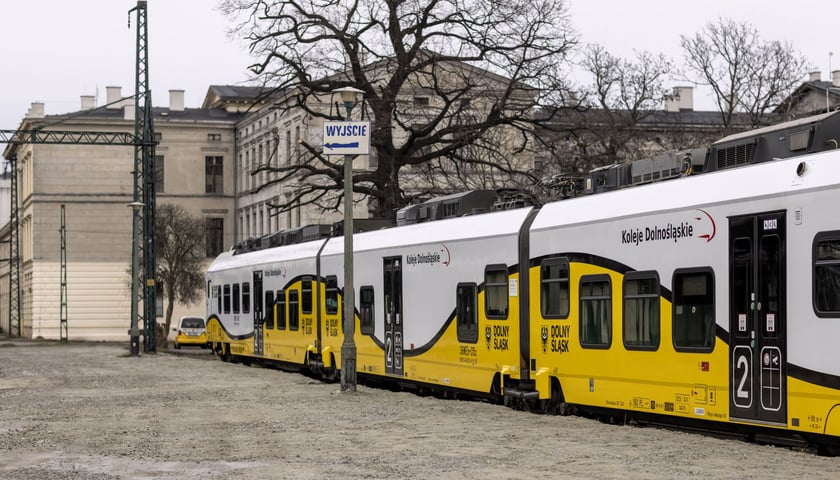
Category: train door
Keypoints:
(258, 313)
(757, 318)
(392, 286)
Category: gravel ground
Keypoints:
(91, 411)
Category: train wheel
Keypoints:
(828, 450)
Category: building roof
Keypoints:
(810, 87)
(158, 113)
(574, 117)
(218, 96)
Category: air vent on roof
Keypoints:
(735, 155)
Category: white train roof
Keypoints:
(506, 222)
(764, 179)
(300, 251)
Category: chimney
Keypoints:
(681, 99)
(112, 94)
(176, 100)
(814, 76)
(88, 102)
(36, 110)
(835, 78)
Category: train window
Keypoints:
(826, 274)
(366, 311)
(246, 297)
(269, 309)
(294, 312)
(306, 295)
(227, 299)
(280, 308)
(595, 311)
(331, 296)
(641, 311)
(770, 265)
(465, 302)
(694, 310)
(217, 292)
(554, 288)
(236, 298)
(496, 292)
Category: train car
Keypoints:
(712, 298)
(261, 305)
(708, 300)
(437, 302)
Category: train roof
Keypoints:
(298, 251)
(499, 223)
(749, 181)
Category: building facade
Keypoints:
(94, 184)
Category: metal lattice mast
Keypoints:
(63, 310)
(14, 255)
(143, 225)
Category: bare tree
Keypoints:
(443, 81)
(605, 125)
(180, 252)
(745, 73)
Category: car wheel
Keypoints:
(177, 347)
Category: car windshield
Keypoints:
(192, 323)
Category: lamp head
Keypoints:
(349, 94)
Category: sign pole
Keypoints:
(351, 139)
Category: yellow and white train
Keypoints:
(711, 300)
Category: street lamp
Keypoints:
(349, 96)
(134, 332)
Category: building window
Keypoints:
(366, 309)
(465, 302)
(297, 146)
(421, 101)
(694, 310)
(827, 274)
(214, 231)
(214, 137)
(641, 311)
(158, 137)
(288, 147)
(554, 288)
(595, 311)
(159, 173)
(496, 292)
(159, 299)
(213, 174)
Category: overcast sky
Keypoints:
(54, 51)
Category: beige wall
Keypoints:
(95, 184)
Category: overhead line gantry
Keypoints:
(143, 218)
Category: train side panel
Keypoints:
(760, 356)
(422, 292)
